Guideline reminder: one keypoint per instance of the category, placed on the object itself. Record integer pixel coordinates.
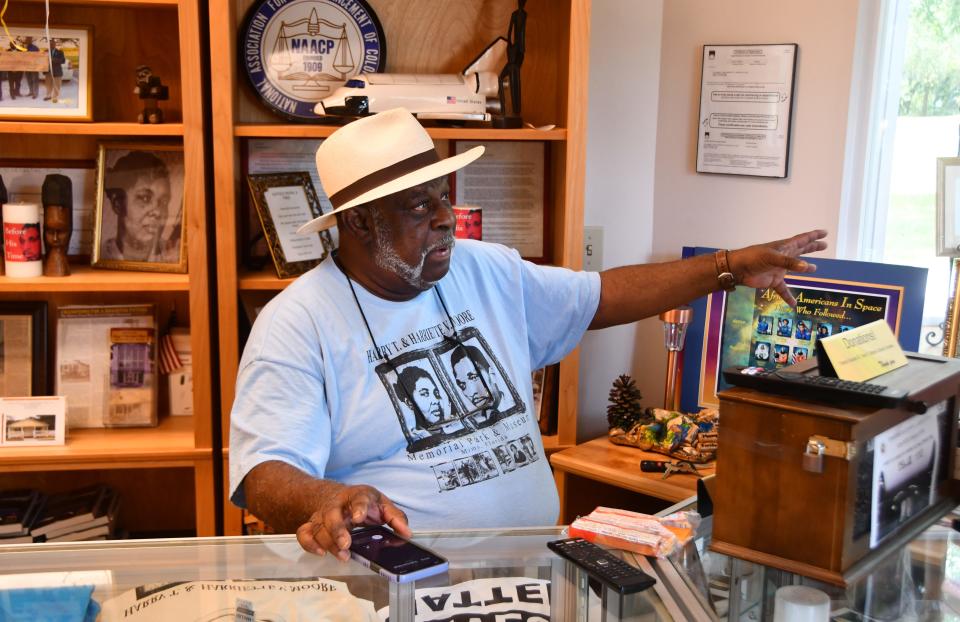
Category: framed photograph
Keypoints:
(32, 421)
(948, 210)
(746, 109)
(284, 202)
(24, 181)
(510, 182)
(23, 348)
(139, 222)
(755, 327)
(46, 79)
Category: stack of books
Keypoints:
(85, 514)
(19, 510)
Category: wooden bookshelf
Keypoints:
(424, 36)
(86, 279)
(171, 465)
(90, 129)
(170, 444)
(276, 130)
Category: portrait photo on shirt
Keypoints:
(451, 388)
(483, 388)
(139, 223)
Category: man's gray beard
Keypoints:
(386, 256)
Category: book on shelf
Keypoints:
(18, 511)
(74, 509)
(104, 518)
(99, 532)
(24, 539)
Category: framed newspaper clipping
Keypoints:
(23, 348)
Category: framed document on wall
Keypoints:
(746, 109)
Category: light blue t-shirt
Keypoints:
(440, 419)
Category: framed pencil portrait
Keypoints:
(948, 209)
(23, 348)
(46, 79)
(139, 221)
(284, 202)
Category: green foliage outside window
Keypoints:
(931, 69)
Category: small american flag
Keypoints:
(169, 359)
(451, 99)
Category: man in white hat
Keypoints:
(322, 434)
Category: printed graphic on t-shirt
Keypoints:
(483, 466)
(452, 388)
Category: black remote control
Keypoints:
(824, 388)
(603, 565)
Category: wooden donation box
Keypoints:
(827, 488)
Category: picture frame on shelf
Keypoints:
(511, 183)
(23, 348)
(32, 421)
(31, 91)
(273, 155)
(24, 181)
(284, 202)
(948, 208)
(139, 217)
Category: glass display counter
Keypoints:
(512, 568)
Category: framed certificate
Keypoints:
(746, 109)
(284, 202)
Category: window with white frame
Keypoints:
(905, 113)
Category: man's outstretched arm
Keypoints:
(320, 511)
(632, 293)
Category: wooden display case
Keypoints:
(165, 474)
(885, 473)
(423, 36)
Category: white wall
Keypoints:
(621, 142)
(659, 43)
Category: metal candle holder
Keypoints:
(675, 322)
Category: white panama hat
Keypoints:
(376, 156)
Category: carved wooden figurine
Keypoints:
(150, 89)
(57, 223)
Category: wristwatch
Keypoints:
(725, 279)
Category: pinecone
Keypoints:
(624, 411)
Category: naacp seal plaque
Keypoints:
(296, 52)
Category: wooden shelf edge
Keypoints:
(279, 130)
(90, 128)
(171, 3)
(262, 280)
(171, 443)
(87, 279)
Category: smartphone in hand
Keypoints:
(383, 551)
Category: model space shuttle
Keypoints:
(468, 96)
